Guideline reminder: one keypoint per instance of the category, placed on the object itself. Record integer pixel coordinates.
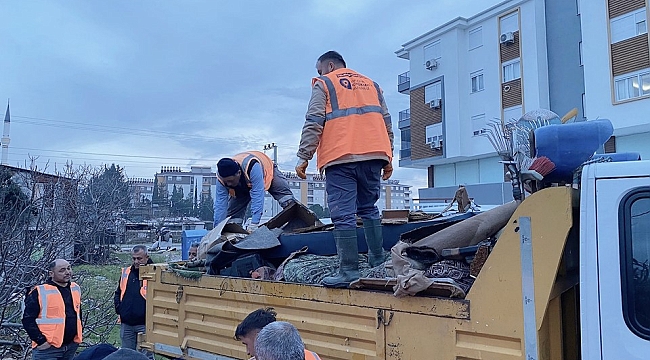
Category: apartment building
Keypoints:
(615, 54)
(469, 71)
(200, 180)
(311, 191)
(141, 190)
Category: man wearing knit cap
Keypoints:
(243, 179)
(126, 354)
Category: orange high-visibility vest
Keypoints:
(51, 320)
(246, 160)
(310, 355)
(354, 123)
(124, 279)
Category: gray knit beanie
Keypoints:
(126, 354)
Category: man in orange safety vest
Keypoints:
(349, 127)
(52, 316)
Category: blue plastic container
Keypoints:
(569, 145)
(188, 237)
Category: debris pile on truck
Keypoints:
(520, 281)
(434, 254)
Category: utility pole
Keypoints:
(274, 204)
(275, 151)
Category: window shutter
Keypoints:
(610, 145)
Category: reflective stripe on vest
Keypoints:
(51, 319)
(245, 161)
(310, 355)
(124, 279)
(354, 123)
(336, 112)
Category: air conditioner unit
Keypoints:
(431, 64)
(507, 38)
(435, 103)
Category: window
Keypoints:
(169, 178)
(433, 91)
(635, 260)
(511, 70)
(477, 81)
(584, 112)
(179, 178)
(510, 23)
(512, 113)
(432, 51)
(434, 134)
(631, 86)
(478, 124)
(475, 38)
(628, 25)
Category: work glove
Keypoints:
(301, 168)
(252, 227)
(387, 171)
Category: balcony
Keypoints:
(404, 82)
(405, 154)
(404, 119)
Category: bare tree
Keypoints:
(44, 216)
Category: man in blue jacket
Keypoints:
(243, 179)
(130, 300)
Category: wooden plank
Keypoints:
(436, 306)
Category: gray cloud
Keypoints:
(200, 79)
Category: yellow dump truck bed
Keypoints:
(196, 319)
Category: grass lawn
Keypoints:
(98, 286)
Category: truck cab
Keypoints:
(614, 255)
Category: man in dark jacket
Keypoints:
(130, 300)
(55, 330)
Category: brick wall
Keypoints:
(511, 93)
(421, 116)
(620, 7)
(630, 55)
(510, 51)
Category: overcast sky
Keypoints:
(146, 84)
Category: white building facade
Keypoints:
(470, 71)
(615, 54)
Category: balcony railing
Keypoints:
(403, 81)
(404, 153)
(404, 119)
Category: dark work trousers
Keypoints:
(353, 189)
(279, 190)
(65, 352)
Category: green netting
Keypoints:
(181, 270)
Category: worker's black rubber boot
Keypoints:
(348, 251)
(375, 241)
